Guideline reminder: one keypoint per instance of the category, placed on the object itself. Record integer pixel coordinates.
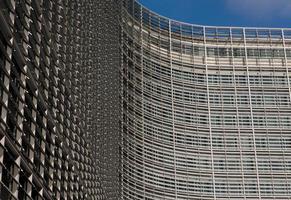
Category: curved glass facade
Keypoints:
(206, 110)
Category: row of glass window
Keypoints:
(245, 121)
(217, 79)
(226, 141)
(161, 73)
(231, 99)
(251, 52)
(243, 79)
(194, 50)
(227, 120)
(243, 99)
(219, 140)
(230, 52)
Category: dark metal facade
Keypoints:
(59, 62)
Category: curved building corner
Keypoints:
(206, 110)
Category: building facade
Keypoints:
(206, 110)
(105, 99)
(57, 139)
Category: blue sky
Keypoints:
(261, 13)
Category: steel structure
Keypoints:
(59, 69)
(206, 110)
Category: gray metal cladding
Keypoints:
(105, 99)
(206, 110)
(52, 124)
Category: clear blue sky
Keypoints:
(261, 13)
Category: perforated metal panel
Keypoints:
(56, 139)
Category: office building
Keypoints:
(105, 100)
(206, 110)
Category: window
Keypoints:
(238, 52)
